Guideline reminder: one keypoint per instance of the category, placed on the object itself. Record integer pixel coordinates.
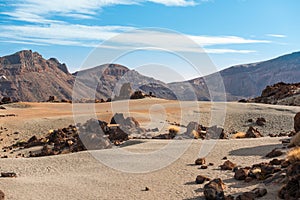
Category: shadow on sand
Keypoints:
(255, 151)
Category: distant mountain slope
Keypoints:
(244, 81)
(108, 79)
(27, 76)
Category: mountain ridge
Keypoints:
(27, 76)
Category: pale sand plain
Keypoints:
(85, 175)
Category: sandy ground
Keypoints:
(85, 175)
(81, 176)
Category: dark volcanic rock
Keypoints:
(214, 190)
(200, 161)
(228, 165)
(241, 174)
(201, 179)
(253, 133)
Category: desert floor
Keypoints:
(165, 167)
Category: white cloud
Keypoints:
(276, 35)
(36, 10)
(116, 37)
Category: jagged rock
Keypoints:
(297, 122)
(241, 174)
(201, 179)
(117, 135)
(200, 161)
(118, 118)
(214, 189)
(195, 130)
(274, 153)
(253, 133)
(215, 132)
(228, 165)
(125, 92)
(260, 121)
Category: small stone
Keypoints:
(224, 158)
(8, 174)
(200, 161)
(211, 164)
(261, 121)
(228, 165)
(201, 179)
(204, 167)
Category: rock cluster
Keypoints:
(94, 134)
(198, 131)
(280, 93)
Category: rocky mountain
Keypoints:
(245, 81)
(27, 76)
(107, 80)
(281, 94)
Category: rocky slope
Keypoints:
(27, 76)
(245, 81)
(281, 94)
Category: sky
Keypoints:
(190, 38)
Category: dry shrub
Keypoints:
(294, 155)
(174, 129)
(239, 135)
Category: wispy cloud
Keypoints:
(118, 37)
(276, 35)
(36, 10)
(45, 28)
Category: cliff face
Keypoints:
(27, 76)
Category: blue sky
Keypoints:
(230, 31)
